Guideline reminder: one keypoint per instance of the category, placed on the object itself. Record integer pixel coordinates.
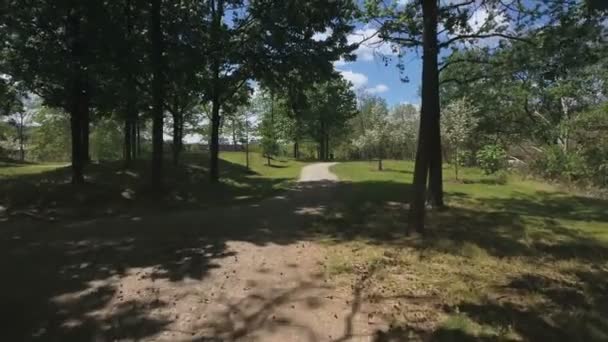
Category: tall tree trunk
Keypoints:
(247, 153)
(128, 149)
(86, 125)
(435, 193)
(76, 92)
(429, 114)
(138, 139)
(457, 161)
(177, 137)
(326, 146)
(131, 110)
(157, 94)
(214, 149)
(218, 13)
(21, 135)
(295, 150)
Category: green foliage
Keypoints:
(492, 158)
(51, 137)
(106, 140)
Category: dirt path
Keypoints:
(246, 273)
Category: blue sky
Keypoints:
(369, 73)
(374, 76)
(375, 69)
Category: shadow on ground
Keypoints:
(60, 278)
(110, 189)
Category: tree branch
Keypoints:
(482, 36)
(458, 61)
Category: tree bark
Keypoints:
(214, 148)
(177, 137)
(456, 163)
(86, 125)
(435, 191)
(138, 139)
(76, 92)
(429, 114)
(218, 13)
(157, 95)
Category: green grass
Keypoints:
(15, 170)
(516, 261)
(46, 188)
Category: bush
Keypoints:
(492, 158)
(555, 163)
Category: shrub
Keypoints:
(555, 163)
(492, 158)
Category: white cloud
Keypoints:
(370, 44)
(340, 62)
(380, 88)
(357, 79)
(321, 36)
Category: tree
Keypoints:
(332, 104)
(68, 32)
(264, 39)
(415, 24)
(458, 123)
(373, 134)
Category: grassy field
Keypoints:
(44, 190)
(8, 169)
(511, 259)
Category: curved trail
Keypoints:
(243, 273)
(317, 172)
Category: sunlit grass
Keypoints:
(512, 261)
(15, 170)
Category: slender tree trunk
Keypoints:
(157, 94)
(21, 134)
(380, 168)
(456, 163)
(77, 163)
(138, 139)
(326, 146)
(295, 150)
(429, 114)
(214, 148)
(76, 92)
(127, 142)
(86, 126)
(218, 13)
(435, 194)
(177, 138)
(247, 153)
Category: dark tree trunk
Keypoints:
(326, 146)
(214, 147)
(429, 114)
(435, 191)
(296, 150)
(322, 148)
(127, 143)
(247, 153)
(157, 94)
(86, 126)
(131, 111)
(21, 135)
(178, 136)
(77, 93)
(138, 139)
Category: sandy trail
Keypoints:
(242, 273)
